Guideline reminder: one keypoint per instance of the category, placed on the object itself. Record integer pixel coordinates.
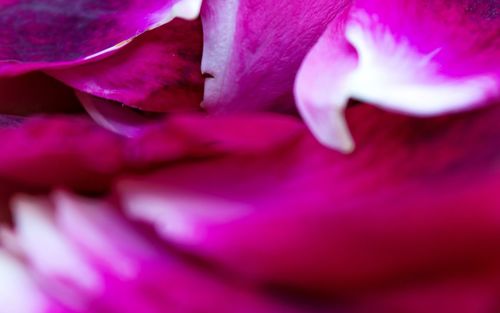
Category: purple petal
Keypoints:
(416, 197)
(417, 57)
(253, 49)
(117, 118)
(159, 71)
(41, 34)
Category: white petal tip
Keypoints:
(329, 126)
(187, 9)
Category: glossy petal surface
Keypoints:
(159, 71)
(417, 57)
(40, 34)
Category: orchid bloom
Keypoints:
(140, 171)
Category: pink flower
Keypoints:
(144, 202)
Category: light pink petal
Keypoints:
(84, 256)
(253, 49)
(18, 291)
(49, 33)
(159, 71)
(417, 197)
(416, 57)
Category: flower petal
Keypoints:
(417, 57)
(159, 71)
(98, 261)
(416, 197)
(117, 118)
(60, 151)
(42, 34)
(253, 49)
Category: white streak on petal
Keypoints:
(221, 16)
(395, 75)
(82, 220)
(47, 248)
(176, 214)
(18, 293)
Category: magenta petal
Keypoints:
(159, 71)
(60, 151)
(415, 198)
(40, 34)
(416, 57)
(253, 49)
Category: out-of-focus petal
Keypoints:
(42, 34)
(417, 196)
(417, 57)
(85, 256)
(473, 293)
(253, 49)
(76, 153)
(60, 151)
(159, 71)
(18, 291)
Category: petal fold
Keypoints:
(417, 57)
(253, 49)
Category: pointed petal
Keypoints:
(159, 71)
(253, 49)
(42, 34)
(416, 57)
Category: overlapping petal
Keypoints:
(417, 57)
(159, 71)
(54, 33)
(274, 210)
(100, 262)
(253, 49)
(418, 198)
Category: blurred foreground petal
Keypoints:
(82, 255)
(417, 199)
